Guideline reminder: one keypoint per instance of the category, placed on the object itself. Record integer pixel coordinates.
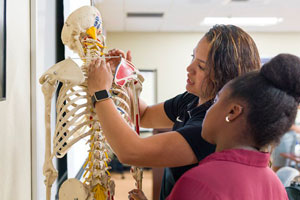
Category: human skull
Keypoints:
(86, 21)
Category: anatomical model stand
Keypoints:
(76, 117)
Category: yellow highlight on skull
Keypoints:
(92, 32)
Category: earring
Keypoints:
(227, 119)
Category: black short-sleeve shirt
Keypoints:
(188, 119)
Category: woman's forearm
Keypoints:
(121, 137)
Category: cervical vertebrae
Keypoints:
(76, 117)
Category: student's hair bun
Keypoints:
(283, 71)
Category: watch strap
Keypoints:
(100, 96)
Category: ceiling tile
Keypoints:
(146, 5)
(137, 24)
(186, 15)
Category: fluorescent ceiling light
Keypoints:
(242, 21)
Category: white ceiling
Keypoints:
(187, 15)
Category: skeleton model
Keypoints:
(76, 118)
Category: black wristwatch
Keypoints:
(100, 96)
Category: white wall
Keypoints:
(169, 53)
(15, 159)
(43, 44)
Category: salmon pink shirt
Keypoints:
(228, 175)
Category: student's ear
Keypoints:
(235, 111)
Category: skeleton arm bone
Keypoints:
(48, 88)
(152, 116)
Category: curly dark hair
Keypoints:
(232, 53)
(272, 97)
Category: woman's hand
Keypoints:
(114, 62)
(99, 77)
(136, 194)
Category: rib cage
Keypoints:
(74, 118)
(77, 119)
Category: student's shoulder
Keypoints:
(194, 187)
(199, 171)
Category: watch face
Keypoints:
(103, 94)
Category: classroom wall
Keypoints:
(169, 53)
(15, 144)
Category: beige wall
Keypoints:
(271, 44)
(169, 53)
(15, 161)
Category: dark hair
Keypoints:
(232, 53)
(272, 97)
